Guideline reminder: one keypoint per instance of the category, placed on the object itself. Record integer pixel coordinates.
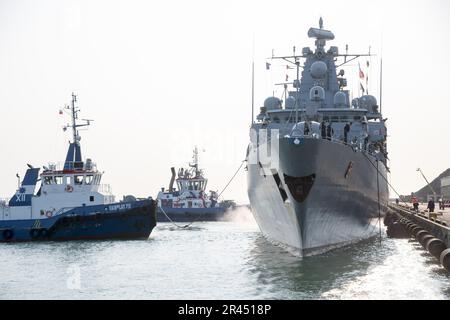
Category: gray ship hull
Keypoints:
(337, 203)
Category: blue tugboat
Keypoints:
(70, 203)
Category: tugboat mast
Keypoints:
(74, 157)
(195, 158)
(74, 115)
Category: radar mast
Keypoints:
(74, 117)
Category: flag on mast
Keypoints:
(361, 73)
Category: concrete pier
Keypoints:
(430, 229)
(437, 225)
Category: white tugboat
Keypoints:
(70, 202)
(190, 201)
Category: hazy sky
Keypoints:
(161, 77)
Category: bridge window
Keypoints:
(78, 180)
(97, 179)
(59, 180)
(68, 180)
(89, 179)
(48, 180)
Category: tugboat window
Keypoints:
(89, 179)
(48, 180)
(78, 180)
(91, 198)
(59, 180)
(68, 180)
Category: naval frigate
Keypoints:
(317, 162)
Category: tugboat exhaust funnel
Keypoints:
(172, 179)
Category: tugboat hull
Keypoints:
(125, 220)
(191, 214)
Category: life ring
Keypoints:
(8, 234)
(69, 188)
(49, 214)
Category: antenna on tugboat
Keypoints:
(74, 115)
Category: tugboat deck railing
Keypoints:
(4, 202)
(105, 189)
(59, 166)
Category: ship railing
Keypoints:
(62, 210)
(357, 145)
(59, 166)
(104, 188)
(56, 166)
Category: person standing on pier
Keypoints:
(415, 203)
(431, 205)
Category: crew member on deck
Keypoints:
(323, 128)
(346, 131)
(306, 129)
(329, 131)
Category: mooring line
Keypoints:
(173, 222)
(378, 190)
(231, 179)
(385, 179)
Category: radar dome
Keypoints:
(340, 99)
(368, 102)
(290, 102)
(317, 93)
(318, 69)
(272, 103)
